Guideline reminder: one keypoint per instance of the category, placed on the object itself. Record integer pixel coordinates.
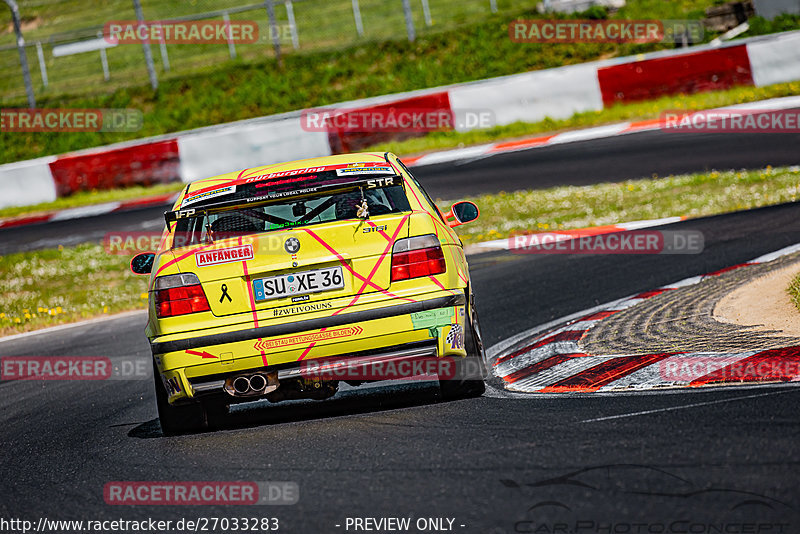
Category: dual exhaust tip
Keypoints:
(252, 385)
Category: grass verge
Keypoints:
(572, 207)
(88, 198)
(650, 109)
(794, 291)
(243, 90)
(49, 287)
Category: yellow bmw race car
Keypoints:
(282, 281)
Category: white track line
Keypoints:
(685, 406)
(66, 326)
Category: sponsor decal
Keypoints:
(197, 197)
(455, 337)
(316, 337)
(380, 182)
(281, 194)
(364, 170)
(282, 174)
(172, 385)
(301, 309)
(300, 298)
(431, 318)
(224, 255)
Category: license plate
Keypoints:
(302, 283)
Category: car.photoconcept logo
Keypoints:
(292, 245)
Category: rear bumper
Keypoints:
(400, 332)
(191, 343)
(332, 368)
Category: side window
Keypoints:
(430, 201)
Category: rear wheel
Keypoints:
(186, 418)
(469, 371)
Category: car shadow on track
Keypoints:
(347, 402)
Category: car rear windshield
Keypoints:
(289, 212)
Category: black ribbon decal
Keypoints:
(225, 294)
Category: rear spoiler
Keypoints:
(377, 181)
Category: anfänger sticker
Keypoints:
(224, 255)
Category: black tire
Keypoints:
(469, 371)
(216, 411)
(177, 419)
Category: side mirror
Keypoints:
(143, 263)
(462, 213)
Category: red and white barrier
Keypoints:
(530, 97)
(25, 183)
(209, 152)
(709, 70)
(775, 60)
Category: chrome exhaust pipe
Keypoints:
(257, 383)
(251, 385)
(241, 385)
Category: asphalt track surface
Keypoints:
(694, 462)
(611, 159)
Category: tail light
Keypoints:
(179, 294)
(417, 256)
